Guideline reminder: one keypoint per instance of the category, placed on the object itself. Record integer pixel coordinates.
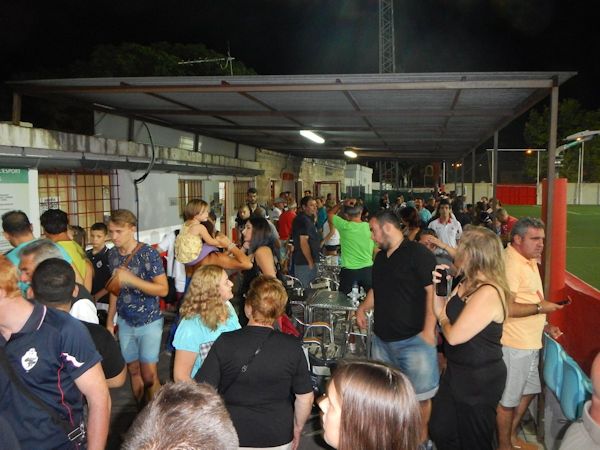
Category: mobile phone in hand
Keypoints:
(441, 289)
(564, 302)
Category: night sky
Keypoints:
(319, 36)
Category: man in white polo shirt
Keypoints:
(447, 228)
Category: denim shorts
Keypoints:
(415, 358)
(140, 343)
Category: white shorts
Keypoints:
(522, 375)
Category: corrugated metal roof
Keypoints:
(428, 116)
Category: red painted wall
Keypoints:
(580, 322)
(516, 194)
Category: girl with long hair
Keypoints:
(205, 313)
(370, 406)
(412, 222)
(259, 241)
(464, 409)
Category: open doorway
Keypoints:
(325, 188)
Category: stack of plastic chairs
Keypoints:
(565, 379)
(553, 365)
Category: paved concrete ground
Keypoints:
(124, 409)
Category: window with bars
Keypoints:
(240, 188)
(188, 190)
(87, 197)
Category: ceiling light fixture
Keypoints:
(312, 136)
(350, 154)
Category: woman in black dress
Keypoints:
(464, 409)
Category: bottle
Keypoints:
(354, 293)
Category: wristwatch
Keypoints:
(539, 308)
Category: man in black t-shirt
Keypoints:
(98, 255)
(307, 242)
(402, 295)
(252, 202)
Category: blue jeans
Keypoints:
(415, 358)
(140, 343)
(305, 274)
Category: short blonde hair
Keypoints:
(203, 299)
(267, 297)
(123, 217)
(193, 208)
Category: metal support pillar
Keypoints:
(16, 108)
(462, 176)
(495, 173)
(473, 168)
(548, 200)
(444, 174)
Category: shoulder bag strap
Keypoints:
(20, 385)
(244, 368)
(128, 259)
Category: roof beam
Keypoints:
(301, 87)
(482, 112)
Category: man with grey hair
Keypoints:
(356, 243)
(32, 255)
(183, 415)
(522, 330)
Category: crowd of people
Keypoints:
(453, 369)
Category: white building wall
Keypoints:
(116, 127)
(357, 175)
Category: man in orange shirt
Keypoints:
(522, 330)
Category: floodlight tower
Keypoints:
(387, 54)
(388, 170)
